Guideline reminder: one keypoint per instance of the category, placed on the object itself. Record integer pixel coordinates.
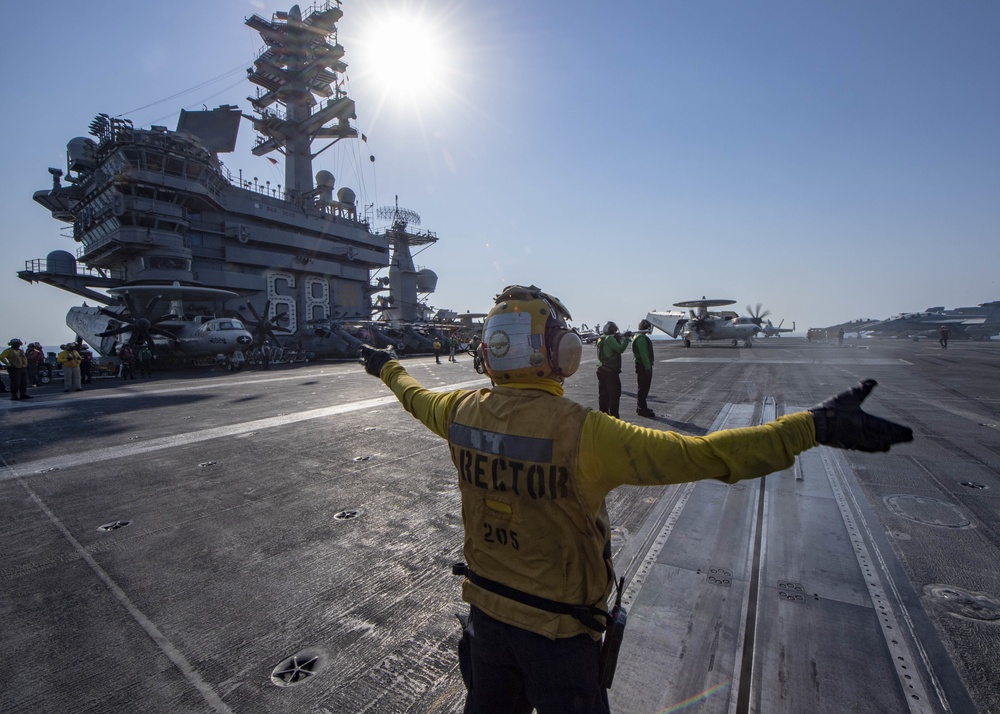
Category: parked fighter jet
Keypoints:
(972, 323)
(588, 335)
(770, 330)
(173, 334)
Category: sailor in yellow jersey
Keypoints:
(533, 470)
(16, 363)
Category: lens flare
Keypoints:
(702, 696)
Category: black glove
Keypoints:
(374, 360)
(841, 423)
(628, 334)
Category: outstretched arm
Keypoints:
(613, 452)
(431, 408)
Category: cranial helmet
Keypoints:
(610, 328)
(15, 342)
(526, 337)
(644, 326)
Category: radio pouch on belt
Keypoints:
(613, 626)
(613, 639)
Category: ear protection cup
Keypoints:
(526, 337)
(566, 351)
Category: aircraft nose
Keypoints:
(244, 340)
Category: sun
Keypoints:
(405, 55)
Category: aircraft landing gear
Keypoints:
(734, 343)
(687, 342)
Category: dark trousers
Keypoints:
(944, 341)
(18, 381)
(609, 391)
(512, 670)
(644, 378)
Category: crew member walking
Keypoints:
(642, 351)
(534, 469)
(17, 367)
(944, 332)
(610, 346)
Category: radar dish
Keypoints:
(399, 215)
(704, 303)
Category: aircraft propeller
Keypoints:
(263, 329)
(700, 323)
(757, 315)
(142, 328)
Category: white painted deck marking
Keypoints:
(166, 646)
(30, 468)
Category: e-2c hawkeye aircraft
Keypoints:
(705, 326)
(176, 334)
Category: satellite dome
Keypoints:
(427, 281)
(346, 195)
(61, 262)
(324, 179)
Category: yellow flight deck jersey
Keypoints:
(534, 469)
(69, 358)
(14, 358)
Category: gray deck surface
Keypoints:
(301, 512)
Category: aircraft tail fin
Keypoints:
(668, 322)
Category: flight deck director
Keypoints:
(533, 470)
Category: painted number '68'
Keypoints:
(502, 536)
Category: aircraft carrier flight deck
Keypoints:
(282, 541)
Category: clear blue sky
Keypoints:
(829, 160)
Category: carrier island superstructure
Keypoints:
(157, 207)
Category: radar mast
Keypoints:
(300, 96)
(405, 281)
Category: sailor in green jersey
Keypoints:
(642, 351)
(610, 346)
(533, 470)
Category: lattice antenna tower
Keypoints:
(301, 96)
